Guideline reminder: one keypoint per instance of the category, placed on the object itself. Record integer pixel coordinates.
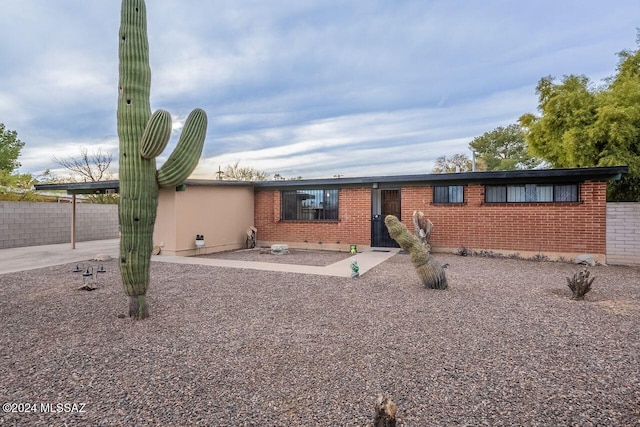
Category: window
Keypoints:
(495, 193)
(390, 203)
(448, 194)
(566, 193)
(531, 193)
(309, 205)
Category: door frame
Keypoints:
(379, 234)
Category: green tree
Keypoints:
(10, 147)
(585, 125)
(504, 148)
(14, 187)
(18, 187)
(561, 134)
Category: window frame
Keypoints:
(315, 211)
(525, 193)
(437, 201)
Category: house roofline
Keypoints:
(101, 187)
(491, 177)
(94, 187)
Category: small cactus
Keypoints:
(143, 136)
(580, 283)
(429, 269)
(385, 411)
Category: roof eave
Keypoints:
(517, 176)
(492, 177)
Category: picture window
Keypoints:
(309, 205)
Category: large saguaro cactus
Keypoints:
(143, 136)
(429, 269)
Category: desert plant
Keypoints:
(143, 136)
(539, 257)
(423, 228)
(385, 411)
(580, 283)
(462, 251)
(486, 253)
(428, 268)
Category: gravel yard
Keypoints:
(504, 345)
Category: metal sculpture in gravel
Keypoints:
(143, 136)
(428, 268)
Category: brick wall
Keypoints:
(354, 226)
(556, 229)
(30, 224)
(623, 233)
(553, 228)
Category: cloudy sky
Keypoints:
(310, 88)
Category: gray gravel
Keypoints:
(504, 345)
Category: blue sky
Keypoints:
(308, 88)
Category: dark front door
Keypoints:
(383, 202)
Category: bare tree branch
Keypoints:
(91, 167)
(236, 173)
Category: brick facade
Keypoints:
(354, 226)
(553, 229)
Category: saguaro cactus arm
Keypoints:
(156, 134)
(185, 156)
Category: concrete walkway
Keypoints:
(366, 261)
(31, 257)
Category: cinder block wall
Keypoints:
(623, 233)
(31, 224)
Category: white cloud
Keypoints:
(398, 142)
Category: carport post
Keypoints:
(73, 221)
